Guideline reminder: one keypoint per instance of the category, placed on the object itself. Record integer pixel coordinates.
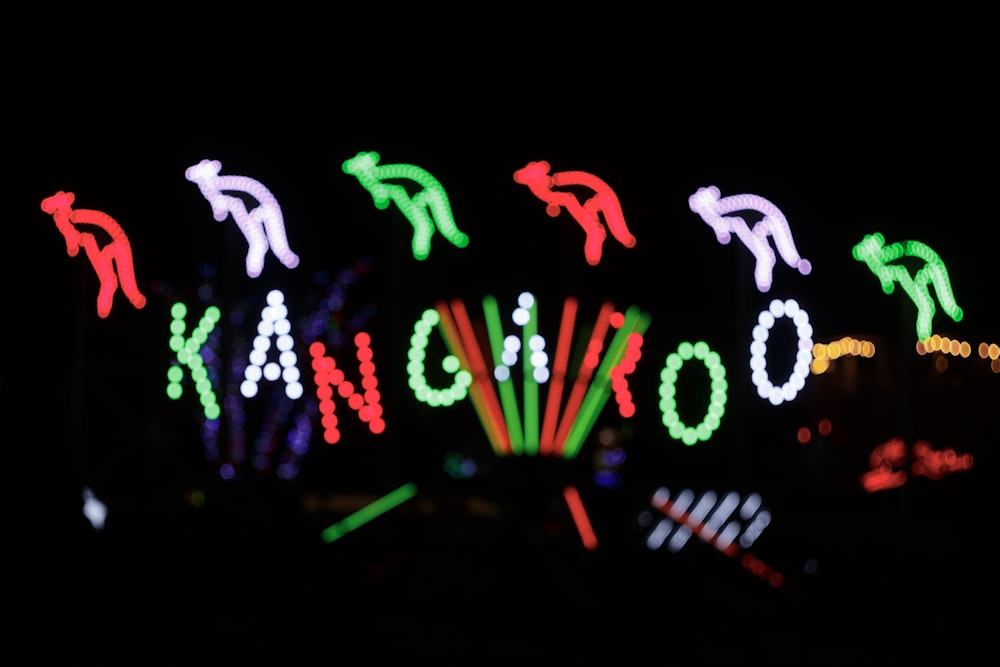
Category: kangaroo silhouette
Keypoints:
(604, 202)
(714, 210)
(116, 254)
(426, 209)
(876, 255)
(263, 226)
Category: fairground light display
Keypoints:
(391, 324)
(529, 398)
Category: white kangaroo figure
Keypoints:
(706, 203)
(263, 227)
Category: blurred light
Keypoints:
(668, 388)
(328, 377)
(369, 512)
(116, 254)
(196, 498)
(888, 459)
(604, 202)
(933, 464)
(458, 466)
(708, 519)
(956, 348)
(758, 351)
(824, 353)
(188, 353)
(95, 510)
(427, 209)
(462, 379)
(580, 518)
(627, 366)
(273, 322)
(885, 462)
(872, 251)
(715, 212)
(263, 226)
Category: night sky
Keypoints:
(490, 561)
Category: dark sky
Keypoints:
(899, 143)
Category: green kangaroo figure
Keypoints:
(426, 209)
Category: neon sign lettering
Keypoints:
(758, 351)
(603, 202)
(273, 324)
(872, 251)
(116, 254)
(325, 325)
(555, 431)
(188, 353)
(426, 209)
(717, 400)
(500, 415)
(714, 211)
(263, 226)
(328, 377)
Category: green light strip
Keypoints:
(600, 389)
(369, 512)
(507, 397)
(531, 437)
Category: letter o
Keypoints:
(668, 387)
(758, 351)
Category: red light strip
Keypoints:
(583, 526)
(488, 405)
(547, 442)
(587, 365)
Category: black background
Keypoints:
(844, 141)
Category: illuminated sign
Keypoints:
(426, 210)
(263, 226)
(328, 377)
(758, 351)
(188, 353)
(117, 254)
(498, 409)
(529, 398)
(872, 251)
(715, 212)
(274, 324)
(716, 402)
(604, 202)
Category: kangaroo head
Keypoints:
(869, 249)
(703, 199)
(361, 163)
(205, 170)
(534, 174)
(60, 201)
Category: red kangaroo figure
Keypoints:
(117, 253)
(536, 176)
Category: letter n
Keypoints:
(329, 377)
